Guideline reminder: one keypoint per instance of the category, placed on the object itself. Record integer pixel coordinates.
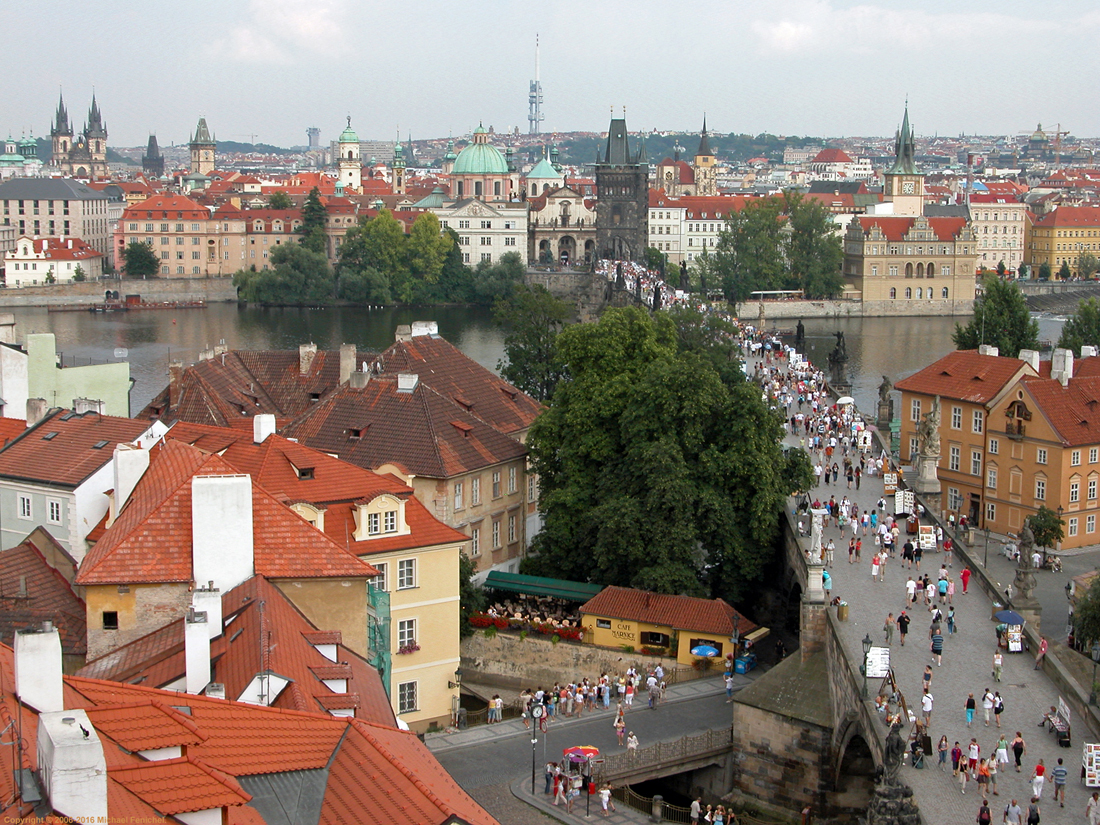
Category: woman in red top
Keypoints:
(965, 576)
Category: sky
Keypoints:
(268, 69)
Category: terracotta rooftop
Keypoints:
(181, 785)
(678, 612)
(966, 375)
(146, 725)
(33, 591)
(424, 431)
(896, 227)
(65, 447)
(1073, 411)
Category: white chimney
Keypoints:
(358, 380)
(208, 600)
(215, 690)
(988, 349)
(1030, 356)
(130, 464)
(84, 405)
(1088, 352)
(347, 361)
(263, 425)
(36, 410)
(38, 668)
(1061, 366)
(221, 530)
(72, 766)
(306, 354)
(196, 642)
(424, 328)
(406, 381)
(404, 333)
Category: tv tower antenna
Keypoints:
(534, 98)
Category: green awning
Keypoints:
(541, 586)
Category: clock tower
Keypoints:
(904, 184)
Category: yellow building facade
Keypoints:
(1062, 237)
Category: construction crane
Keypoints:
(1056, 143)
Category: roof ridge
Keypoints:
(422, 786)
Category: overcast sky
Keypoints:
(271, 68)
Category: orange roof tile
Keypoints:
(678, 612)
(965, 375)
(146, 725)
(896, 227)
(49, 597)
(1073, 411)
(182, 785)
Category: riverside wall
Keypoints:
(210, 290)
(782, 310)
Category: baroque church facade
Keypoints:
(81, 155)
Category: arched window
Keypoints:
(944, 292)
(920, 292)
(893, 292)
(908, 292)
(496, 188)
(477, 189)
(920, 270)
(460, 188)
(930, 270)
(909, 270)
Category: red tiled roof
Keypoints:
(58, 249)
(965, 375)
(150, 540)
(446, 369)
(1073, 411)
(166, 207)
(678, 612)
(377, 424)
(146, 725)
(1071, 216)
(338, 701)
(49, 596)
(181, 785)
(11, 428)
(896, 227)
(832, 155)
(71, 456)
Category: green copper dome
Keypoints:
(348, 135)
(544, 170)
(480, 157)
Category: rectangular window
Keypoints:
(374, 524)
(530, 487)
(1040, 489)
(458, 495)
(603, 624)
(53, 511)
(1093, 455)
(914, 410)
(389, 521)
(511, 529)
(1075, 458)
(496, 535)
(1090, 524)
(991, 478)
(914, 446)
(406, 633)
(511, 480)
(25, 510)
(994, 446)
(975, 462)
(1071, 527)
(1074, 492)
(1040, 456)
(110, 620)
(953, 498)
(978, 422)
(475, 491)
(406, 697)
(956, 418)
(990, 512)
(475, 541)
(381, 581)
(954, 458)
(406, 574)
(1092, 489)
(486, 240)
(496, 483)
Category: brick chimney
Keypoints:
(347, 361)
(306, 354)
(175, 375)
(36, 410)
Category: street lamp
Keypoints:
(536, 717)
(1095, 659)
(1058, 542)
(985, 562)
(457, 683)
(866, 651)
(736, 637)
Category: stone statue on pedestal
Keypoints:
(895, 750)
(799, 335)
(885, 404)
(1023, 585)
(928, 432)
(838, 362)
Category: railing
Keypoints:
(676, 813)
(665, 753)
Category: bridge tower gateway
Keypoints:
(534, 98)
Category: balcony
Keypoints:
(1015, 429)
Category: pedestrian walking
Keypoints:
(696, 810)
(1014, 814)
(1033, 811)
(998, 706)
(1019, 748)
(1059, 775)
(729, 687)
(1092, 809)
(1038, 777)
(888, 628)
(926, 678)
(942, 749)
(605, 799)
(965, 577)
(874, 568)
(551, 767)
(991, 764)
(937, 647)
(620, 728)
(950, 621)
(903, 626)
(1041, 655)
(1002, 750)
(926, 707)
(985, 817)
(632, 744)
(987, 705)
(970, 706)
(956, 755)
(973, 753)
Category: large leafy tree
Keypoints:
(471, 596)
(372, 265)
(655, 473)
(1047, 527)
(533, 318)
(1087, 264)
(297, 276)
(1083, 327)
(140, 261)
(279, 200)
(1001, 318)
(428, 248)
(492, 282)
(749, 254)
(314, 220)
(813, 251)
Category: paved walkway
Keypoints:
(967, 664)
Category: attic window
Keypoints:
(510, 392)
(465, 403)
(49, 436)
(68, 415)
(99, 445)
(358, 432)
(315, 396)
(305, 472)
(462, 427)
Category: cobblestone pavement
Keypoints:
(966, 668)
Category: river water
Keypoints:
(150, 338)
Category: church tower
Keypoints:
(95, 136)
(904, 184)
(351, 169)
(152, 162)
(398, 181)
(705, 166)
(61, 133)
(203, 148)
(622, 208)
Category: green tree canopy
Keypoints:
(279, 200)
(428, 248)
(1001, 318)
(812, 250)
(533, 318)
(471, 596)
(1086, 614)
(1046, 527)
(1044, 271)
(492, 282)
(314, 220)
(654, 472)
(1087, 264)
(1064, 273)
(298, 277)
(140, 260)
(1083, 327)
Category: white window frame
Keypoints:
(994, 446)
(496, 534)
(511, 480)
(956, 418)
(1094, 455)
(511, 529)
(406, 574)
(953, 498)
(914, 409)
(497, 489)
(1071, 527)
(976, 462)
(406, 633)
(54, 511)
(1091, 489)
(381, 581)
(990, 512)
(389, 521)
(1074, 492)
(26, 507)
(977, 423)
(1040, 489)
(407, 697)
(1075, 458)
(991, 478)
(954, 458)
(475, 541)
(475, 491)
(1090, 523)
(459, 504)
(374, 524)
(1040, 456)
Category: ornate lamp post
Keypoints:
(985, 562)
(866, 651)
(1095, 660)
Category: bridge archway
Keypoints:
(854, 780)
(792, 620)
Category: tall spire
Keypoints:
(704, 145)
(96, 127)
(61, 120)
(904, 148)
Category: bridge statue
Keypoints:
(884, 388)
(927, 459)
(928, 432)
(838, 362)
(1023, 585)
(892, 801)
(885, 404)
(895, 750)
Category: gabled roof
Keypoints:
(425, 432)
(678, 612)
(48, 595)
(57, 249)
(149, 724)
(158, 658)
(966, 375)
(832, 155)
(1073, 411)
(896, 227)
(150, 541)
(166, 207)
(82, 443)
(181, 785)
(446, 369)
(1071, 216)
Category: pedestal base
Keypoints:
(885, 414)
(927, 482)
(893, 805)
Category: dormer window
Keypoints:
(305, 473)
(384, 515)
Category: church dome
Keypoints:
(544, 170)
(348, 135)
(480, 157)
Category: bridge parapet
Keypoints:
(665, 758)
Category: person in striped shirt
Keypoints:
(1059, 775)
